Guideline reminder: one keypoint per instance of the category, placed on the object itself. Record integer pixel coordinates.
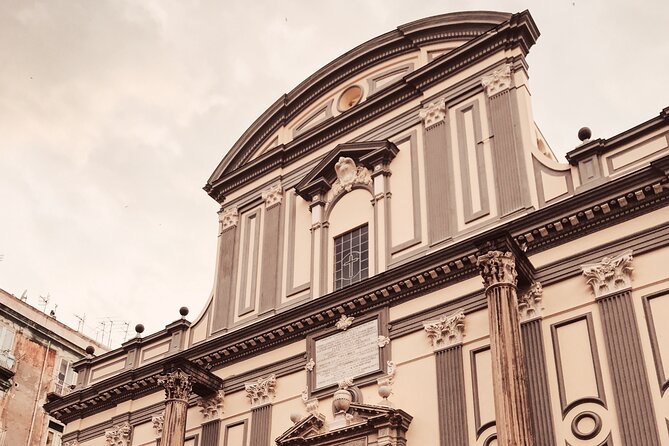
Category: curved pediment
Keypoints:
(393, 64)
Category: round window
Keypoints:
(349, 98)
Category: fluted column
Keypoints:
(611, 281)
(178, 386)
(261, 393)
(498, 270)
(269, 284)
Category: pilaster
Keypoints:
(498, 270)
(227, 247)
(611, 281)
(445, 335)
(269, 285)
(260, 394)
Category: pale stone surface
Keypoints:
(433, 112)
(445, 332)
(610, 275)
(261, 391)
(498, 81)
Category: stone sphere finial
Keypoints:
(139, 329)
(90, 350)
(295, 417)
(584, 134)
(183, 311)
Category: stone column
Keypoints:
(438, 172)
(261, 393)
(498, 270)
(611, 281)
(178, 386)
(445, 335)
(269, 284)
(211, 408)
(538, 392)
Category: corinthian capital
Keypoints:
(497, 267)
(228, 217)
(272, 196)
(434, 112)
(529, 303)
(178, 385)
(446, 331)
(118, 435)
(212, 407)
(499, 80)
(261, 391)
(610, 275)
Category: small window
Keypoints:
(65, 377)
(6, 343)
(351, 263)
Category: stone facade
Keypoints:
(414, 268)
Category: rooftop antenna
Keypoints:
(45, 301)
(24, 296)
(52, 313)
(82, 321)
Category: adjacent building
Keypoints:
(37, 354)
(402, 260)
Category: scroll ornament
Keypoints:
(344, 322)
(348, 175)
(498, 268)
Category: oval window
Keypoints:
(349, 98)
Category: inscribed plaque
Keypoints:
(347, 354)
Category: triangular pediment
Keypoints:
(364, 420)
(367, 154)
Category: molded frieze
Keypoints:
(178, 385)
(446, 331)
(610, 275)
(433, 113)
(272, 196)
(229, 218)
(529, 303)
(499, 80)
(212, 407)
(261, 391)
(348, 175)
(497, 268)
(119, 435)
(158, 421)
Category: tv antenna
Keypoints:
(81, 323)
(24, 296)
(44, 301)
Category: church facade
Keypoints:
(402, 260)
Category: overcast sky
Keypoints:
(113, 114)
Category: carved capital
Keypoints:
(348, 175)
(229, 218)
(310, 403)
(446, 331)
(497, 268)
(158, 421)
(272, 196)
(344, 322)
(212, 407)
(178, 385)
(433, 113)
(119, 435)
(529, 303)
(610, 275)
(261, 391)
(71, 443)
(498, 81)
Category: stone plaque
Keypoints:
(347, 354)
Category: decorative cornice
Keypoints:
(498, 268)
(610, 275)
(446, 332)
(344, 322)
(212, 407)
(229, 218)
(119, 435)
(433, 113)
(178, 385)
(272, 196)
(158, 421)
(261, 391)
(529, 303)
(498, 81)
